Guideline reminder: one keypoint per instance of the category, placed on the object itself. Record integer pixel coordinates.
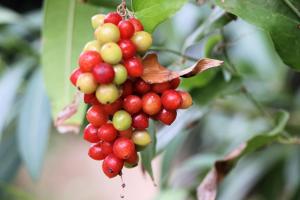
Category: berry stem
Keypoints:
(292, 7)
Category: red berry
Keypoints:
(126, 29)
(123, 148)
(103, 73)
(90, 99)
(151, 103)
(141, 87)
(140, 121)
(90, 133)
(187, 100)
(134, 66)
(167, 116)
(110, 109)
(88, 60)
(132, 104)
(96, 116)
(136, 24)
(107, 132)
(133, 160)
(100, 151)
(74, 75)
(127, 133)
(127, 88)
(171, 99)
(112, 165)
(128, 48)
(175, 83)
(161, 87)
(113, 18)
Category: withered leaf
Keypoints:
(156, 73)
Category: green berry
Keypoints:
(142, 41)
(107, 32)
(107, 93)
(122, 120)
(92, 46)
(97, 20)
(141, 138)
(111, 53)
(120, 74)
(86, 83)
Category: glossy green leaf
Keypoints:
(275, 17)
(33, 125)
(153, 12)
(66, 29)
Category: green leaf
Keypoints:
(66, 29)
(33, 125)
(153, 12)
(277, 19)
(9, 192)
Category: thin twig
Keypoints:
(291, 6)
(174, 52)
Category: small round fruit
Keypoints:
(112, 165)
(100, 151)
(174, 83)
(136, 24)
(167, 116)
(140, 121)
(96, 116)
(141, 138)
(127, 88)
(111, 53)
(90, 99)
(107, 93)
(160, 87)
(132, 104)
(132, 161)
(123, 148)
(74, 75)
(120, 74)
(171, 99)
(142, 41)
(134, 66)
(90, 133)
(107, 32)
(187, 100)
(113, 17)
(110, 109)
(122, 120)
(103, 73)
(107, 132)
(151, 103)
(86, 83)
(97, 20)
(128, 48)
(127, 133)
(92, 46)
(141, 87)
(88, 60)
(126, 29)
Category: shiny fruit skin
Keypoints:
(86, 83)
(122, 120)
(128, 48)
(160, 87)
(96, 116)
(127, 88)
(187, 100)
(171, 100)
(120, 74)
(107, 93)
(100, 150)
(92, 46)
(142, 40)
(126, 29)
(174, 83)
(97, 20)
(140, 121)
(167, 116)
(74, 75)
(136, 24)
(141, 87)
(127, 133)
(151, 103)
(134, 66)
(90, 99)
(107, 32)
(132, 104)
(113, 18)
(123, 148)
(88, 59)
(132, 161)
(107, 132)
(103, 73)
(90, 134)
(110, 109)
(111, 53)
(112, 165)
(141, 138)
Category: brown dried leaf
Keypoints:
(156, 73)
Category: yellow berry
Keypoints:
(107, 32)
(97, 20)
(142, 41)
(92, 46)
(86, 83)
(111, 53)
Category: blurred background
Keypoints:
(231, 105)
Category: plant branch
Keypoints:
(174, 52)
(291, 6)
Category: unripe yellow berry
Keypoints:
(86, 83)
(142, 41)
(97, 20)
(107, 32)
(111, 53)
(92, 46)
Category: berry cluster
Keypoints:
(121, 102)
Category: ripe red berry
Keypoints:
(167, 116)
(74, 75)
(112, 165)
(107, 132)
(160, 87)
(132, 104)
(88, 60)
(140, 121)
(123, 148)
(96, 116)
(113, 18)
(187, 100)
(141, 87)
(175, 83)
(90, 133)
(171, 99)
(100, 150)
(110, 109)
(103, 73)
(128, 48)
(127, 133)
(127, 88)
(90, 99)
(132, 160)
(136, 24)
(134, 66)
(126, 29)
(151, 103)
